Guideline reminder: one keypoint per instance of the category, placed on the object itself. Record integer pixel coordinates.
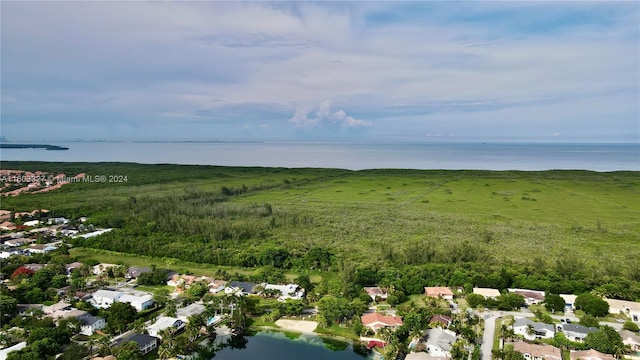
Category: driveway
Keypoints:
(489, 331)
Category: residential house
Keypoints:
(628, 308)
(569, 301)
(41, 248)
(439, 292)
(439, 342)
(487, 292)
(537, 352)
(631, 339)
(376, 321)
(66, 314)
(532, 330)
(7, 226)
(73, 265)
(31, 223)
(5, 254)
(215, 286)
(190, 310)
(28, 309)
(174, 325)
(441, 320)
(289, 291)
(139, 301)
(16, 242)
(135, 271)
(34, 267)
(146, 343)
(376, 292)
(61, 305)
(576, 332)
(531, 297)
(240, 288)
(89, 323)
(590, 354)
(418, 356)
(104, 298)
(58, 221)
(102, 268)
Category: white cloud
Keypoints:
(325, 117)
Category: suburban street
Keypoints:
(489, 331)
(490, 322)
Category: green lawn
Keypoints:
(335, 330)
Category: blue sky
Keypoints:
(349, 71)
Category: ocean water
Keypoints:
(473, 156)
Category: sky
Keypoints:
(321, 71)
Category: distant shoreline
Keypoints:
(32, 146)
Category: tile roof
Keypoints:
(539, 351)
(590, 354)
(437, 291)
(371, 318)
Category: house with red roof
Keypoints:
(439, 292)
(376, 321)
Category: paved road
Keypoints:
(489, 331)
(490, 324)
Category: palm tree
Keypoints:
(138, 325)
(530, 330)
(164, 351)
(619, 352)
(104, 348)
(193, 331)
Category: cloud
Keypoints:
(324, 117)
(403, 66)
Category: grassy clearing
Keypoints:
(375, 215)
(335, 330)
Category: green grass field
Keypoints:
(373, 216)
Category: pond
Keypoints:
(278, 345)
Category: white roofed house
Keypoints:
(631, 339)
(190, 310)
(439, 342)
(89, 324)
(104, 298)
(487, 293)
(624, 307)
(569, 300)
(289, 291)
(165, 322)
(533, 330)
(31, 223)
(140, 302)
(41, 248)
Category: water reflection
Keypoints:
(279, 346)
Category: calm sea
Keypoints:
(477, 156)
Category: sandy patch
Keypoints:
(301, 326)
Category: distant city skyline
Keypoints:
(321, 71)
